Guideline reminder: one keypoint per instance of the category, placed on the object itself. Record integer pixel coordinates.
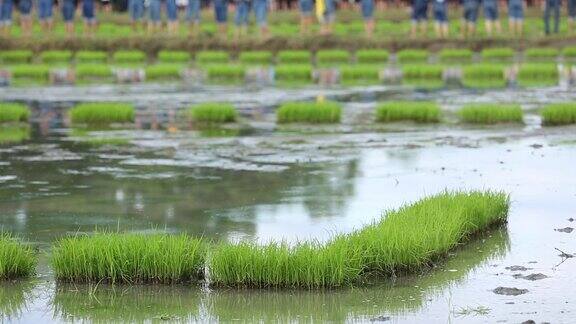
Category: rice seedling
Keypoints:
(163, 71)
(255, 57)
(359, 73)
(16, 259)
(128, 258)
(484, 75)
(403, 241)
(85, 57)
(559, 114)
(226, 72)
(15, 56)
(451, 55)
(538, 75)
(129, 57)
(13, 113)
(33, 72)
(55, 57)
(309, 112)
(490, 114)
(498, 54)
(331, 57)
(293, 72)
(422, 73)
(548, 54)
(93, 70)
(301, 57)
(213, 113)
(208, 57)
(412, 56)
(14, 134)
(372, 56)
(173, 57)
(101, 113)
(569, 53)
(416, 111)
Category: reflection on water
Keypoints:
(14, 134)
(14, 299)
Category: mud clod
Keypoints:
(517, 268)
(507, 291)
(565, 230)
(531, 277)
(381, 319)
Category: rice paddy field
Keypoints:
(369, 183)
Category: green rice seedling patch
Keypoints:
(14, 134)
(359, 74)
(294, 57)
(16, 56)
(422, 72)
(372, 56)
(309, 112)
(412, 56)
(542, 54)
(29, 72)
(415, 111)
(13, 113)
(569, 53)
(91, 57)
(538, 75)
(559, 114)
(228, 73)
(484, 76)
(455, 55)
(255, 57)
(129, 258)
(211, 57)
(172, 57)
(293, 72)
(163, 71)
(497, 54)
(490, 114)
(17, 260)
(332, 57)
(129, 57)
(93, 71)
(56, 57)
(101, 113)
(213, 113)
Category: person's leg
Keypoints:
(368, 15)
(306, 8)
(154, 23)
(46, 15)
(89, 15)
(416, 17)
(68, 11)
(556, 16)
(193, 17)
(329, 17)
(490, 16)
(441, 18)
(241, 18)
(25, 8)
(172, 13)
(221, 15)
(5, 17)
(424, 18)
(261, 13)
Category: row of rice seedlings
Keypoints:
(255, 57)
(86, 57)
(412, 56)
(559, 114)
(93, 71)
(293, 72)
(129, 57)
(16, 56)
(209, 57)
(213, 113)
(490, 114)
(498, 54)
(227, 72)
(372, 56)
(101, 113)
(422, 72)
(569, 52)
(173, 57)
(13, 113)
(129, 258)
(404, 241)
(484, 75)
(309, 112)
(16, 259)
(541, 53)
(14, 134)
(163, 71)
(451, 55)
(360, 73)
(331, 57)
(538, 75)
(416, 111)
(294, 57)
(56, 57)
(32, 72)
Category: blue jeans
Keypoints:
(330, 11)
(25, 6)
(471, 10)
(572, 9)
(242, 11)
(193, 11)
(221, 11)
(88, 10)
(261, 12)
(419, 10)
(45, 9)
(552, 6)
(171, 10)
(155, 8)
(6, 12)
(68, 10)
(490, 10)
(136, 9)
(306, 7)
(440, 11)
(367, 7)
(515, 10)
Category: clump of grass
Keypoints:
(102, 113)
(51, 57)
(491, 114)
(255, 57)
(173, 57)
(559, 114)
(372, 56)
(205, 57)
(450, 55)
(129, 57)
(484, 75)
(128, 258)
(405, 240)
(538, 75)
(85, 57)
(412, 56)
(93, 70)
(359, 72)
(14, 134)
(15, 56)
(26, 71)
(416, 111)
(293, 72)
(569, 52)
(422, 72)
(213, 113)
(541, 54)
(497, 54)
(13, 113)
(325, 57)
(309, 112)
(163, 71)
(16, 259)
(300, 57)
(226, 72)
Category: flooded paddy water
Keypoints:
(259, 181)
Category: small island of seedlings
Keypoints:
(309, 112)
(559, 114)
(490, 114)
(17, 260)
(102, 113)
(415, 111)
(213, 113)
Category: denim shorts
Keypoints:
(471, 10)
(45, 9)
(367, 7)
(242, 12)
(572, 8)
(25, 7)
(306, 7)
(154, 9)
(68, 10)
(515, 10)
(88, 10)
(261, 12)
(136, 9)
(330, 11)
(221, 11)
(171, 10)
(6, 12)
(490, 10)
(440, 8)
(193, 11)
(419, 10)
